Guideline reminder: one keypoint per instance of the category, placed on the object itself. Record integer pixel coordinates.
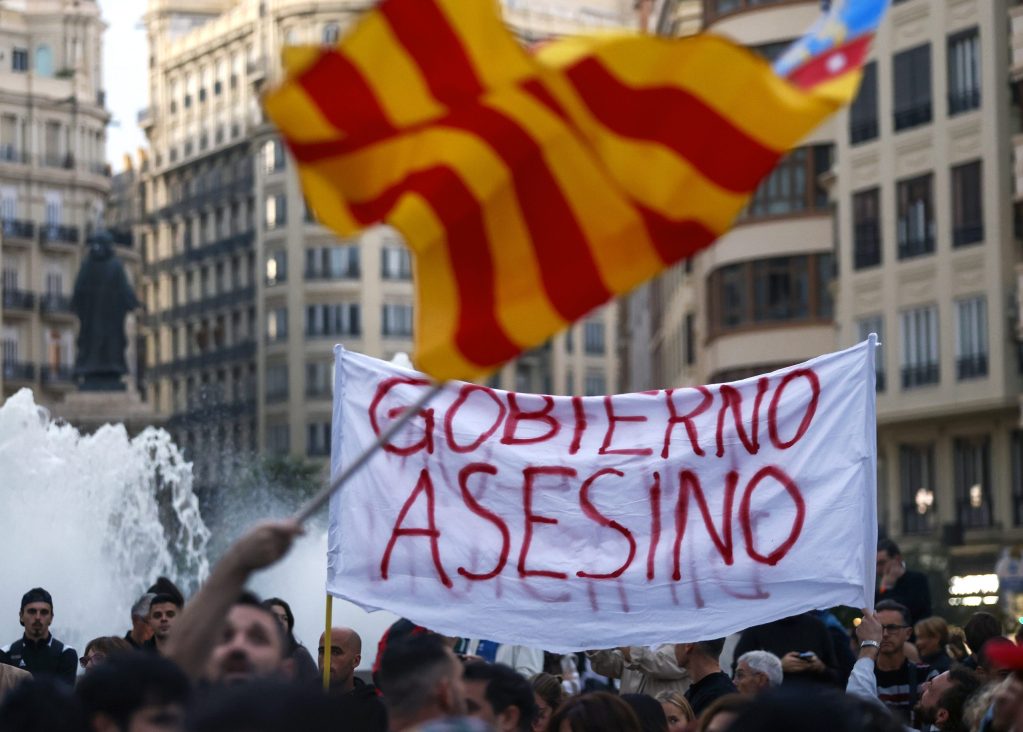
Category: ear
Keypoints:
(508, 720)
(101, 722)
(288, 668)
(445, 699)
(940, 717)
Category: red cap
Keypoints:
(1003, 653)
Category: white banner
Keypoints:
(590, 522)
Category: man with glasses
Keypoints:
(899, 681)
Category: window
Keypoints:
(866, 228)
(967, 207)
(334, 319)
(8, 205)
(919, 347)
(318, 379)
(595, 384)
(866, 326)
(395, 263)
(276, 211)
(963, 72)
(780, 289)
(273, 156)
(278, 439)
(569, 339)
(916, 486)
(44, 60)
(593, 337)
(863, 111)
(19, 59)
(1017, 477)
(318, 439)
(397, 320)
(331, 33)
(277, 325)
(971, 338)
(277, 382)
(915, 217)
(972, 478)
(792, 186)
(912, 89)
(277, 267)
(332, 263)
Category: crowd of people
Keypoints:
(229, 661)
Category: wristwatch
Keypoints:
(873, 643)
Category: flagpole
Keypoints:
(328, 644)
(317, 502)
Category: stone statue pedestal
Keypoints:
(90, 410)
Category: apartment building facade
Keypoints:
(929, 260)
(53, 183)
(247, 294)
(761, 297)
(895, 217)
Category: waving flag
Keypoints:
(532, 189)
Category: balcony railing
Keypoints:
(971, 367)
(909, 248)
(60, 374)
(974, 517)
(56, 160)
(215, 357)
(918, 114)
(18, 229)
(54, 302)
(19, 371)
(968, 234)
(10, 154)
(963, 101)
(922, 375)
(914, 522)
(274, 396)
(866, 245)
(54, 233)
(862, 131)
(15, 299)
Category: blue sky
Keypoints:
(125, 61)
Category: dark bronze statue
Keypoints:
(101, 300)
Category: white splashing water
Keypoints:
(94, 519)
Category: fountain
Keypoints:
(95, 518)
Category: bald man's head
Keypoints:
(345, 654)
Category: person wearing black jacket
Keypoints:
(904, 586)
(37, 651)
(343, 656)
(803, 644)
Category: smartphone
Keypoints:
(807, 655)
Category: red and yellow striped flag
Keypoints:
(530, 189)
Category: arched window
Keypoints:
(331, 33)
(44, 60)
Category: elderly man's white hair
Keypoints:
(766, 663)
